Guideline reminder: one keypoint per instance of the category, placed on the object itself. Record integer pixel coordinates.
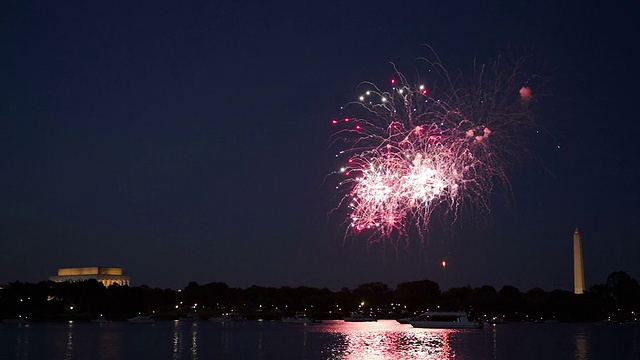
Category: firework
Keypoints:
(435, 147)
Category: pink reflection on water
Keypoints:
(386, 339)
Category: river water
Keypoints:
(385, 339)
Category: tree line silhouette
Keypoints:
(618, 298)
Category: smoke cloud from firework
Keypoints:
(435, 147)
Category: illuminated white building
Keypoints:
(578, 267)
(105, 275)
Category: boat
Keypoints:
(299, 318)
(190, 317)
(359, 317)
(496, 320)
(228, 317)
(610, 320)
(142, 319)
(16, 320)
(405, 320)
(100, 320)
(445, 320)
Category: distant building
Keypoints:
(106, 275)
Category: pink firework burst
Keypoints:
(412, 151)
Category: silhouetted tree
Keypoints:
(52, 301)
(456, 299)
(486, 300)
(418, 295)
(374, 294)
(625, 291)
(510, 300)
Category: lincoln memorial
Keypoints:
(106, 275)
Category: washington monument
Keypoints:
(578, 267)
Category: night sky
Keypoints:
(190, 141)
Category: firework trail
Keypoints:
(416, 150)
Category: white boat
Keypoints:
(228, 317)
(445, 320)
(359, 317)
(142, 319)
(101, 320)
(190, 317)
(299, 317)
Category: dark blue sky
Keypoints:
(190, 141)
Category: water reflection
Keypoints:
(69, 349)
(110, 342)
(194, 341)
(22, 341)
(383, 340)
(260, 345)
(185, 334)
(635, 345)
(177, 345)
(494, 341)
(305, 341)
(581, 342)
